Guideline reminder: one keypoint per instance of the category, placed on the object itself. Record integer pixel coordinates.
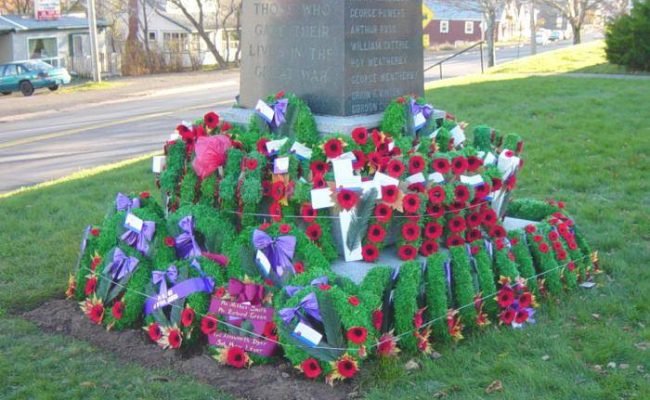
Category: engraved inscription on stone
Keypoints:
(344, 57)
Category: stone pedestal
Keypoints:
(343, 57)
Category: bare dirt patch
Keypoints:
(277, 381)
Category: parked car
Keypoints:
(556, 35)
(542, 37)
(26, 76)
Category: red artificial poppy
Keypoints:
(236, 357)
(459, 165)
(571, 266)
(561, 255)
(416, 164)
(261, 146)
(275, 211)
(401, 100)
(389, 193)
(411, 203)
(279, 95)
(299, 267)
(118, 310)
(318, 168)
(383, 213)
(455, 240)
(184, 132)
(211, 120)
(187, 317)
(522, 316)
(347, 199)
(525, 300)
(278, 190)
(456, 224)
(154, 331)
(284, 229)
(360, 161)
(435, 211)
(543, 248)
(208, 325)
(530, 228)
(511, 182)
(314, 231)
(266, 188)
(473, 235)
(505, 297)
(407, 252)
(395, 168)
(572, 244)
(474, 219)
(91, 286)
(433, 230)
(441, 165)
(370, 252)
(497, 231)
(360, 135)
(347, 367)
(507, 316)
(563, 229)
(418, 318)
(333, 148)
(417, 187)
(145, 195)
(410, 231)
(456, 207)
(560, 204)
(375, 159)
(324, 287)
(473, 163)
(353, 300)
(250, 164)
(311, 368)
(376, 233)
(169, 241)
(489, 217)
(437, 195)
(481, 191)
(264, 226)
(557, 246)
(377, 319)
(429, 247)
(498, 243)
(553, 236)
(94, 231)
(387, 346)
(537, 238)
(319, 182)
(357, 334)
(461, 193)
(520, 146)
(514, 241)
(225, 127)
(96, 313)
(496, 184)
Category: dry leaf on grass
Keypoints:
(495, 386)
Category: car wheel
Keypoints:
(6, 93)
(53, 87)
(26, 88)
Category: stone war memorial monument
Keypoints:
(344, 58)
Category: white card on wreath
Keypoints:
(344, 174)
(158, 164)
(507, 164)
(367, 185)
(263, 262)
(419, 121)
(307, 334)
(385, 180)
(174, 136)
(321, 198)
(264, 111)
(345, 220)
(281, 165)
(488, 158)
(416, 178)
(458, 135)
(303, 152)
(133, 223)
(274, 146)
(473, 180)
(437, 177)
(345, 156)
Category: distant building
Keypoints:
(61, 42)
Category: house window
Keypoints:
(175, 42)
(469, 27)
(444, 26)
(152, 36)
(42, 48)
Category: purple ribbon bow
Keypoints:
(292, 290)
(121, 265)
(309, 305)
(186, 245)
(425, 109)
(123, 203)
(245, 292)
(140, 241)
(279, 109)
(279, 251)
(161, 278)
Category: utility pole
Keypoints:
(94, 45)
(533, 34)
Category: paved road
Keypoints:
(46, 145)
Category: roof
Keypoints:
(16, 23)
(452, 10)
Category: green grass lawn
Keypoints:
(587, 143)
(585, 58)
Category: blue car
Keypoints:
(26, 76)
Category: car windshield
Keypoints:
(37, 66)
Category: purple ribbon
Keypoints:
(161, 278)
(309, 305)
(292, 290)
(121, 265)
(425, 109)
(123, 203)
(245, 292)
(186, 245)
(279, 251)
(140, 241)
(178, 291)
(279, 109)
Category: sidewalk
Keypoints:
(16, 106)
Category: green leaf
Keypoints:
(361, 218)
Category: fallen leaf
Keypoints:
(411, 365)
(435, 355)
(440, 394)
(87, 384)
(642, 346)
(596, 316)
(495, 386)
(611, 364)
(546, 357)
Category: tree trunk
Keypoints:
(490, 37)
(576, 33)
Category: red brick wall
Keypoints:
(456, 32)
